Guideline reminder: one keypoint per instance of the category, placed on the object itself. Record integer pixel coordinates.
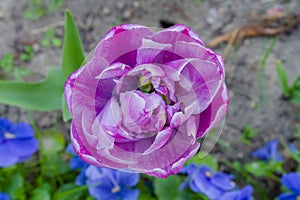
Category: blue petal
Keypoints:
(5, 125)
(269, 151)
(93, 173)
(291, 181)
(101, 193)
(127, 179)
(243, 194)
(223, 181)
(202, 182)
(24, 147)
(22, 130)
(3, 196)
(7, 158)
(80, 179)
(189, 169)
(130, 194)
(292, 148)
(184, 184)
(77, 163)
(286, 196)
(70, 149)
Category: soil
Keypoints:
(271, 115)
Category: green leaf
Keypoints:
(69, 191)
(73, 54)
(55, 165)
(34, 12)
(42, 192)
(41, 96)
(208, 160)
(53, 141)
(56, 42)
(55, 5)
(264, 169)
(166, 189)
(66, 113)
(248, 134)
(7, 62)
(282, 78)
(14, 186)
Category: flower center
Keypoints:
(9, 135)
(298, 198)
(207, 174)
(145, 85)
(116, 189)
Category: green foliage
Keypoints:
(7, 62)
(297, 134)
(291, 92)
(266, 51)
(264, 169)
(28, 54)
(168, 188)
(53, 141)
(73, 54)
(42, 96)
(70, 191)
(248, 134)
(8, 67)
(50, 39)
(42, 192)
(38, 8)
(14, 186)
(208, 160)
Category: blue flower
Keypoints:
(77, 163)
(242, 194)
(17, 142)
(292, 182)
(111, 184)
(4, 196)
(269, 152)
(202, 179)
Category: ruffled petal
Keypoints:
(161, 139)
(120, 44)
(200, 81)
(214, 113)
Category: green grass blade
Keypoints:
(41, 96)
(66, 114)
(282, 78)
(73, 54)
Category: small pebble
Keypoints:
(120, 5)
(127, 14)
(36, 47)
(136, 4)
(106, 11)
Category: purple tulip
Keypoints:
(292, 182)
(17, 142)
(145, 98)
